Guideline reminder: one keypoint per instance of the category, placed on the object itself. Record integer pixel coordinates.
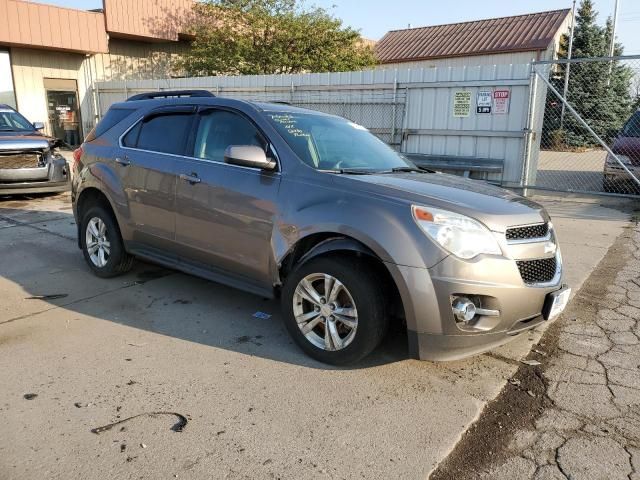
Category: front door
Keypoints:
(63, 111)
(225, 213)
(146, 166)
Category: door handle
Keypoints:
(192, 179)
(124, 161)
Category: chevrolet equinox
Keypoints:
(312, 208)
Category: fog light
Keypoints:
(463, 309)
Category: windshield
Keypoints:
(12, 121)
(632, 128)
(332, 143)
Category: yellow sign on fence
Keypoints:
(461, 104)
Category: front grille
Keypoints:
(537, 271)
(539, 230)
(21, 160)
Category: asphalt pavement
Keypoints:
(79, 353)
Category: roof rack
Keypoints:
(170, 93)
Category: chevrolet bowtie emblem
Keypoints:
(549, 247)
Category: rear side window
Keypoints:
(165, 133)
(113, 117)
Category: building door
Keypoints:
(63, 110)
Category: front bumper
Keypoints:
(495, 282)
(455, 347)
(616, 172)
(53, 177)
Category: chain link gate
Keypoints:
(584, 126)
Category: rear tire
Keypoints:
(102, 244)
(340, 326)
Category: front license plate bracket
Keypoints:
(555, 302)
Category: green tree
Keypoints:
(599, 91)
(252, 37)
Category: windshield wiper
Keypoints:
(350, 171)
(407, 169)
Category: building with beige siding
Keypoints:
(50, 57)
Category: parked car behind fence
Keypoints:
(627, 147)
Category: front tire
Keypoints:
(102, 244)
(334, 308)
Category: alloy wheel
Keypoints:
(325, 311)
(97, 243)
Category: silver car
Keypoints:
(29, 160)
(312, 208)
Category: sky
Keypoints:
(375, 17)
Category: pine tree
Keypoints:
(599, 91)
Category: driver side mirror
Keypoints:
(38, 125)
(248, 156)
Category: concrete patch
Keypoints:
(590, 458)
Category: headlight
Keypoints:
(460, 235)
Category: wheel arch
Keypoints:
(88, 197)
(330, 243)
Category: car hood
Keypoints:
(497, 208)
(628, 146)
(12, 141)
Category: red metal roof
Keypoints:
(521, 33)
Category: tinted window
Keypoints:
(111, 119)
(131, 138)
(165, 133)
(218, 129)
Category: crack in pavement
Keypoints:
(135, 283)
(78, 300)
(19, 223)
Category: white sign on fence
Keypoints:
(461, 104)
(501, 98)
(483, 101)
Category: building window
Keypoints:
(7, 95)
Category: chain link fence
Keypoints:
(589, 125)
(381, 111)
(429, 114)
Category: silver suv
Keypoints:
(287, 202)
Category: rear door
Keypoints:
(225, 213)
(146, 165)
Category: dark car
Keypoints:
(29, 161)
(626, 147)
(313, 208)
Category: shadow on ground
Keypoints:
(46, 264)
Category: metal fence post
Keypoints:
(96, 92)
(529, 131)
(394, 108)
